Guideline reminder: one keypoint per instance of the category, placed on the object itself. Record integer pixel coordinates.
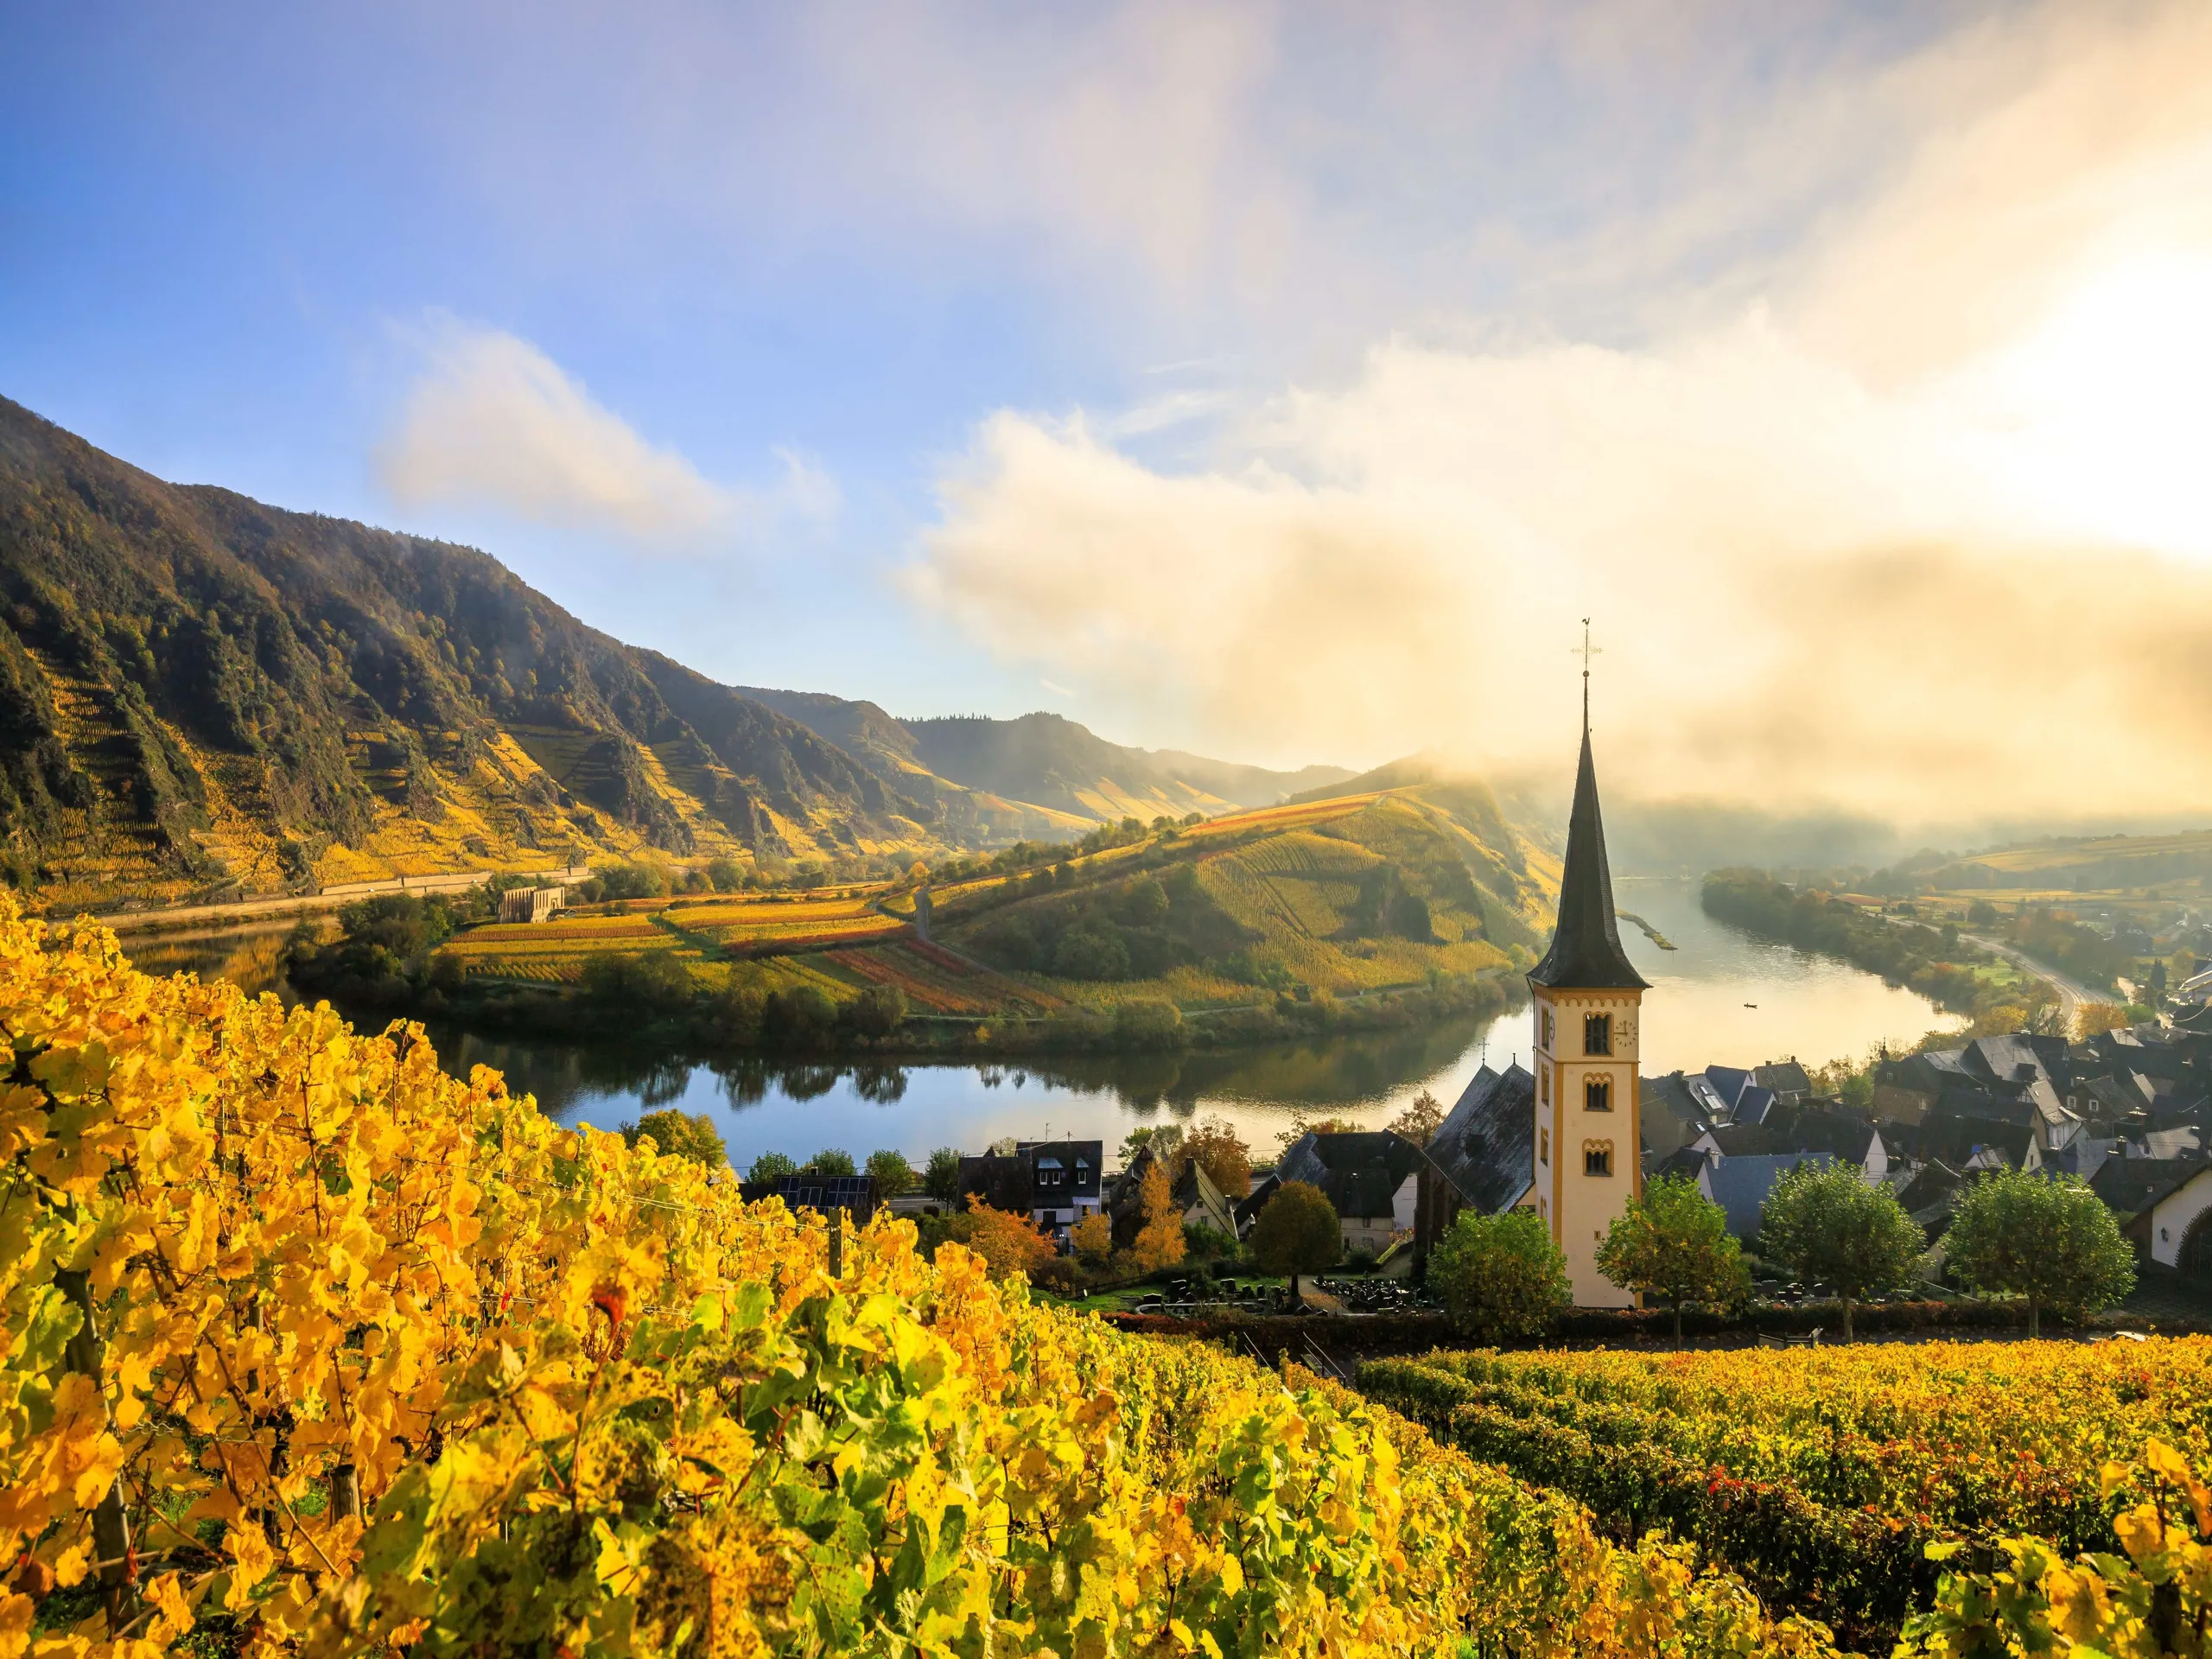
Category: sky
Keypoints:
(1285, 383)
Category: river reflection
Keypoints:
(800, 1109)
(1720, 996)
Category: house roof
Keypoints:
(1586, 952)
(820, 1193)
(1783, 1077)
(1739, 1185)
(1194, 1190)
(1360, 1171)
(1486, 1146)
(2128, 1183)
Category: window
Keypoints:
(1596, 1033)
(1544, 1081)
(1547, 1027)
(1598, 1095)
(1544, 1146)
(1596, 1157)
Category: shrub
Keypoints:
(941, 1178)
(798, 1018)
(893, 1175)
(1149, 1024)
(1297, 1232)
(771, 1166)
(695, 1137)
(878, 1011)
(832, 1162)
(1500, 1275)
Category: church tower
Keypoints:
(1589, 1115)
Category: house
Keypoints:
(1054, 1183)
(530, 903)
(1482, 1156)
(1369, 1176)
(2129, 1185)
(854, 1194)
(1193, 1193)
(1740, 1185)
(1785, 1079)
(1927, 1195)
(2171, 1228)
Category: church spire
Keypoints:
(1586, 953)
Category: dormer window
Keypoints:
(1596, 1033)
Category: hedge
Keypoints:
(1274, 1334)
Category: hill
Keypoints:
(1040, 773)
(1250, 924)
(203, 696)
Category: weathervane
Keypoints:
(1585, 650)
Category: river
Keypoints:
(1720, 997)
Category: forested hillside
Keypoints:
(201, 695)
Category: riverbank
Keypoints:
(1939, 963)
(632, 1003)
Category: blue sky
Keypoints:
(1279, 381)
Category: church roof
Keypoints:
(1586, 953)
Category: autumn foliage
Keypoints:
(308, 1347)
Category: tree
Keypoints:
(1006, 1242)
(1500, 1275)
(1094, 1239)
(1159, 1241)
(941, 1177)
(1830, 1228)
(799, 1017)
(893, 1175)
(1419, 1121)
(878, 1011)
(726, 874)
(1297, 1232)
(771, 1166)
(694, 1137)
(1216, 1148)
(1673, 1244)
(832, 1161)
(2051, 1241)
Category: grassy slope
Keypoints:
(1273, 896)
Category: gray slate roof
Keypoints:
(1586, 952)
(1739, 1185)
(1486, 1146)
(1360, 1171)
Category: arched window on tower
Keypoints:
(1596, 1033)
(1596, 1157)
(1598, 1095)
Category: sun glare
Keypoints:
(2107, 407)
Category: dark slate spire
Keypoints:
(1586, 953)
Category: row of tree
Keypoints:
(2049, 1240)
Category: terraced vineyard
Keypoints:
(935, 981)
(554, 953)
(1824, 1475)
(756, 926)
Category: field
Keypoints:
(553, 952)
(1823, 1475)
(756, 924)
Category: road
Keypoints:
(2073, 996)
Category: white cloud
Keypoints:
(1867, 545)
(492, 421)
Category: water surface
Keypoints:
(1720, 996)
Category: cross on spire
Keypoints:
(1585, 650)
